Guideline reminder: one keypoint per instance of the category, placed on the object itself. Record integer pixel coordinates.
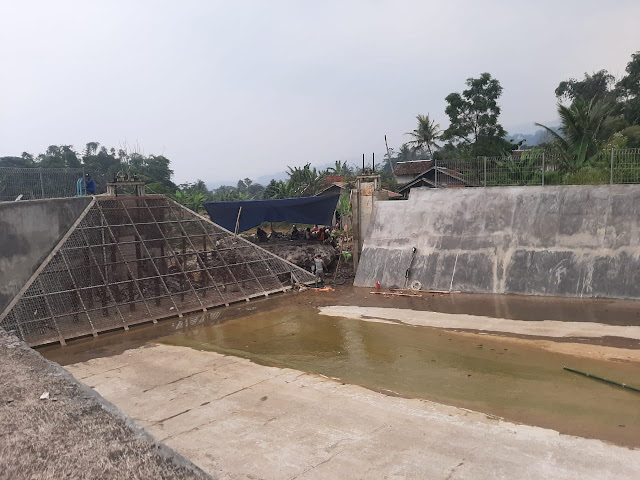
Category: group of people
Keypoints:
(316, 233)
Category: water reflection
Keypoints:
(484, 373)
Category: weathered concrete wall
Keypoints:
(566, 241)
(28, 232)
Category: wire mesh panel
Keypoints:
(136, 259)
(625, 165)
(525, 169)
(37, 183)
(536, 168)
(458, 173)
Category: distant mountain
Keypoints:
(532, 139)
(264, 179)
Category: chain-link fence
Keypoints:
(35, 183)
(533, 168)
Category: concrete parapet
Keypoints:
(577, 241)
(28, 232)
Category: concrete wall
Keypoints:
(567, 241)
(28, 232)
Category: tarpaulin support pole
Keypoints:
(238, 221)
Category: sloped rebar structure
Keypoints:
(129, 260)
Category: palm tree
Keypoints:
(426, 135)
(582, 128)
(340, 168)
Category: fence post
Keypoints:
(435, 166)
(543, 169)
(485, 171)
(611, 177)
(41, 183)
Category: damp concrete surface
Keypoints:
(343, 384)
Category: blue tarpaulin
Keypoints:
(312, 210)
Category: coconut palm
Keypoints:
(581, 131)
(426, 135)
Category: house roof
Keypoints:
(391, 194)
(414, 167)
(339, 185)
(421, 178)
(330, 179)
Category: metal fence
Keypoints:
(35, 183)
(531, 168)
(132, 260)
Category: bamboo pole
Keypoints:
(601, 379)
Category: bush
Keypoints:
(588, 176)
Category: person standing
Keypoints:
(319, 268)
(89, 185)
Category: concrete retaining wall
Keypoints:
(577, 241)
(28, 232)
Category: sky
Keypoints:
(234, 89)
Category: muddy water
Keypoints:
(518, 382)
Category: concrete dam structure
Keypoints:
(111, 262)
(574, 241)
(28, 232)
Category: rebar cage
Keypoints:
(129, 260)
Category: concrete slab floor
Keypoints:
(239, 420)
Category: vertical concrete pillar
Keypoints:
(366, 192)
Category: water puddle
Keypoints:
(516, 381)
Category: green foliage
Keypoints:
(251, 190)
(588, 176)
(158, 188)
(62, 156)
(617, 142)
(474, 115)
(192, 200)
(632, 134)
(344, 205)
(426, 134)
(25, 161)
(340, 168)
(581, 131)
(305, 181)
(517, 171)
(598, 86)
(629, 89)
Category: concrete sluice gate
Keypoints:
(574, 241)
(128, 260)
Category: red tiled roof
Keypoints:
(329, 179)
(391, 194)
(415, 167)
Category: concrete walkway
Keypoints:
(239, 420)
(52, 428)
(542, 328)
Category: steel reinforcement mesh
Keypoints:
(136, 259)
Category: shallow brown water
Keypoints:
(518, 382)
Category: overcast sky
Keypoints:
(230, 89)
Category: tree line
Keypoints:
(597, 113)
(101, 162)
